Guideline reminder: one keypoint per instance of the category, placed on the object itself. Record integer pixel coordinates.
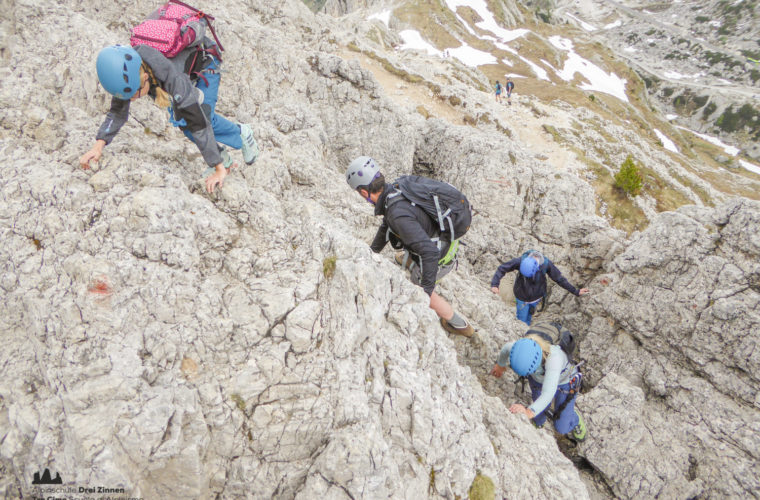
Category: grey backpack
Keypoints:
(555, 334)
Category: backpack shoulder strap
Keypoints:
(394, 196)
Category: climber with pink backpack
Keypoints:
(172, 61)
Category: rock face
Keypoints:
(341, 7)
(248, 343)
(673, 338)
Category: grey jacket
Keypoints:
(557, 370)
(186, 101)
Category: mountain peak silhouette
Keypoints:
(46, 479)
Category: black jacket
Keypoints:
(411, 228)
(529, 290)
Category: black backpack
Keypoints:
(440, 200)
(555, 334)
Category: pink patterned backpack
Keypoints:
(170, 33)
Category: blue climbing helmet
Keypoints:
(119, 70)
(361, 172)
(529, 266)
(525, 356)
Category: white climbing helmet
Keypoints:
(361, 172)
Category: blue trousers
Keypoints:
(568, 419)
(525, 311)
(225, 131)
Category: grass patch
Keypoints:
(376, 36)
(668, 197)
(507, 132)
(708, 110)
(556, 135)
(428, 17)
(315, 5)
(745, 117)
(537, 112)
(688, 102)
(497, 9)
(238, 400)
(328, 266)
(399, 72)
(422, 110)
(696, 189)
(482, 488)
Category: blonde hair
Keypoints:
(162, 96)
(542, 343)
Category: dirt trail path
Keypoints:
(527, 129)
(406, 94)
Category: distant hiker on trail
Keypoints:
(498, 91)
(542, 356)
(180, 73)
(530, 283)
(429, 238)
(510, 86)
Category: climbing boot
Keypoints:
(250, 148)
(578, 434)
(467, 331)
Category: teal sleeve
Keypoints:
(504, 354)
(554, 366)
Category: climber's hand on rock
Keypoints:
(497, 371)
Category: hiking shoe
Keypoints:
(579, 431)
(467, 331)
(250, 148)
(400, 260)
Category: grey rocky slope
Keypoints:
(673, 338)
(229, 360)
